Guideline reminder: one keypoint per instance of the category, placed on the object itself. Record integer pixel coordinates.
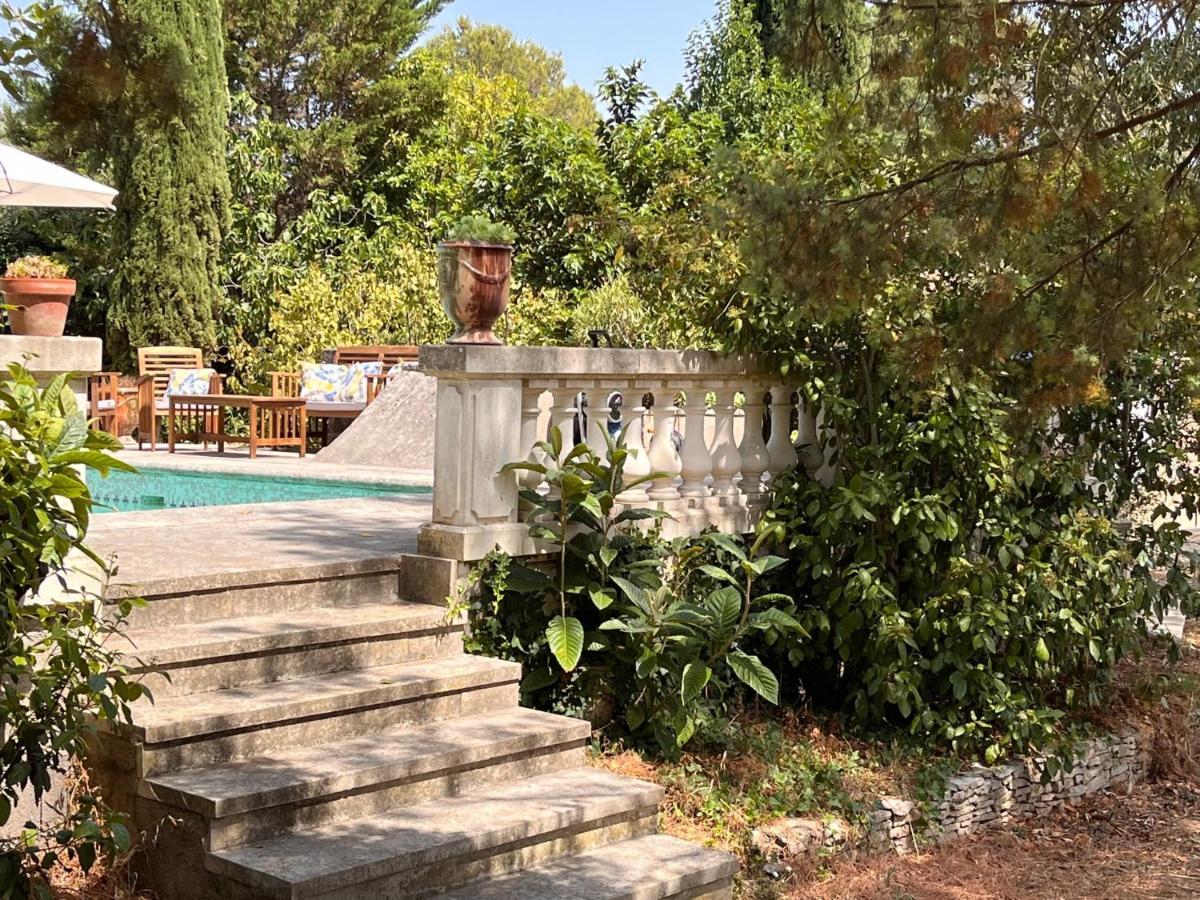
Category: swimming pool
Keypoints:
(175, 488)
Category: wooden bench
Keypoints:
(287, 384)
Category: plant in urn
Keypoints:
(474, 267)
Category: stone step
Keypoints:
(309, 786)
(171, 602)
(413, 850)
(209, 728)
(654, 867)
(223, 653)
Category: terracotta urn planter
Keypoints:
(473, 279)
(38, 305)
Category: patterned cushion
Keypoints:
(321, 381)
(189, 382)
(354, 385)
(331, 383)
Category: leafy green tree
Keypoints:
(823, 41)
(481, 51)
(335, 80)
(979, 260)
(169, 168)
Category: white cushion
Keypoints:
(316, 407)
(106, 404)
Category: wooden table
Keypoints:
(273, 421)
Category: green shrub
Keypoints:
(345, 304)
(58, 668)
(616, 308)
(624, 625)
(959, 584)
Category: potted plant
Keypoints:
(38, 295)
(474, 265)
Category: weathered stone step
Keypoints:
(209, 728)
(171, 602)
(309, 786)
(654, 867)
(441, 843)
(213, 655)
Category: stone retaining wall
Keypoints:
(984, 796)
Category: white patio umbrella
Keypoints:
(26, 180)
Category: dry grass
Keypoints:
(1142, 842)
(1140, 845)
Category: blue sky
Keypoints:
(593, 35)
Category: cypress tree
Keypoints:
(170, 169)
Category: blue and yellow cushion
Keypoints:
(354, 384)
(332, 383)
(189, 382)
(321, 381)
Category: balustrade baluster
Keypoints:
(726, 460)
(695, 459)
(531, 411)
(597, 421)
(637, 463)
(780, 449)
(563, 412)
(755, 458)
(663, 456)
(813, 456)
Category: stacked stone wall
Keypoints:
(984, 796)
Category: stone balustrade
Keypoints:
(717, 428)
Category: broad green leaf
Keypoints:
(726, 543)
(564, 634)
(695, 676)
(719, 574)
(751, 671)
(628, 588)
(601, 599)
(1041, 651)
(726, 607)
(765, 564)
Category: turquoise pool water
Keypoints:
(173, 488)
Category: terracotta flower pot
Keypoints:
(39, 304)
(473, 281)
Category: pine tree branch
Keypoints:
(957, 166)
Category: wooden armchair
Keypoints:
(154, 372)
(104, 400)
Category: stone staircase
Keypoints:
(319, 736)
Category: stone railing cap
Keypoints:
(52, 354)
(553, 362)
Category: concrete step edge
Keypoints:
(291, 630)
(403, 753)
(345, 854)
(203, 715)
(654, 867)
(251, 578)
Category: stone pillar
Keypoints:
(53, 356)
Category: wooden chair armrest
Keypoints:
(216, 384)
(375, 384)
(102, 386)
(145, 391)
(107, 380)
(285, 384)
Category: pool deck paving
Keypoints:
(182, 545)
